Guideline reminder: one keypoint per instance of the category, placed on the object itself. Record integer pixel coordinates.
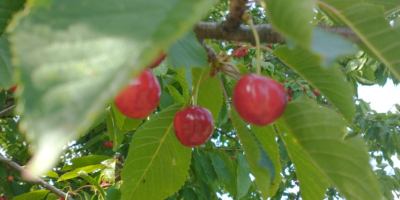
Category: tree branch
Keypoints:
(34, 179)
(243, 33)
(5, 111)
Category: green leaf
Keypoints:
(209, 91)
(175, 94)
(92, 182)
(220, 168)
(292, 19)
(253, 154)
(243, 176)
(313, 183)
(317, 135)
(181, 78)
(97, 47)
(74, 173)
(34, 195)
(330, 46)
(117, 116)
(113, 192)
(187, 53)
(6, 69)
(231, 165)
(157, 163)
(369, 23)
(201, 157)
(84, 161)
(329, 82)
(266, 138)
(108, 173)
(52, 174)
(8, 8)
(114, 132)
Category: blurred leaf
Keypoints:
(253, 154)
(292, 19)
(156, 159)
(114, 132)
(96, 50)
(369, 23)
(8, 8)
(84, 161)
(187, 53)
(223, 173)
(243, 176)
(74, 173)
(34, 195)
(6, 69)
(52, 174)
(117, 116)
(318, 134)
(329, 82)
(330, 46)
(209, 91)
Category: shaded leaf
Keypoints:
(292, 19)
(92, 182)
(209, 91)
(156, 159)
(202, 158)
(318, 134)
(243, 176)
(187, 53)
(6, 69)
(175, 94)
(253, 154)
(8, 8)
(329, 82)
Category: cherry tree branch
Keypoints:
(243, 33)
(34, 179)
(5, 111)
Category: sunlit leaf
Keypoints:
(329, 82)
(85, 161)
(157, 163)
(74, 173)
(34, 195)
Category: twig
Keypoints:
(5, 111)
(34, 179)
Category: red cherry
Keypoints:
(270, 46)
(233, 157)
(245, 52)
(13, 88)
(3, 198)
(259, 100)
(10, 178)
(193, 126)
(106, 144)
(296, 182)
(140, 97)
(238, 54)
(111, 144)
(316, 92)
(157, 61)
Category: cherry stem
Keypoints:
(230, 75)
(224, 90)
(249, 21)
(233, 67)
(233, 72)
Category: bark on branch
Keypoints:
(34, 179)
(243, 33)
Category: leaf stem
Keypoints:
(249, 20)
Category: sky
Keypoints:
(381, 99)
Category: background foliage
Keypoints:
(70, 59)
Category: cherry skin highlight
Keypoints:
(157, 61)
(193, 126)
(259, 100)
(139, 99)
